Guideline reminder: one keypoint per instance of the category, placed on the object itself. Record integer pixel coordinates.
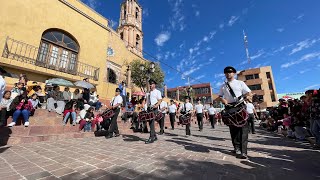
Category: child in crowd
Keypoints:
(70, 110)
(21, 106)
(4, 107)
(35, 102)
(86, 123)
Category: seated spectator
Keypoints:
(5, 107)
(76, 94)
(35, 103)
(70, 111)
(82, 113)
(128, 113)
(94, 101)
(17, 90)
(66, 95)
(87, 121)
(55, 101)
(21, 106)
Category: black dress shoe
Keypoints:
(155, 139)
(149, 141)
(242, 156)
(109, 136)
(236, 152)
(116, 135)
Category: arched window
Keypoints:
(137, 41)
(137, 13)
(121, 35)
(125, 11)
(112, 76)
(58, 50)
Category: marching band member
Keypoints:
(229, 94)
(115, 106)
(186, 108)
(252, 114)
(199, 113)
(163, 108)
(212, 113)
(172, 113)
(142, 106)
(154, 100)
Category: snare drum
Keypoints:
(235, 116)
(108, 113)
(146, 116)
(185, 119)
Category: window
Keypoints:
(121, 35)
(58, 50)
(138, 41)
(270, 86)
(112, 77)
(257, 98)
(273, 98)
(268, 75)
(137, 13)
(252, 76)
(255, 87)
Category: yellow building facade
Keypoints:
(65, 39)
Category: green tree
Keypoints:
(139, 78)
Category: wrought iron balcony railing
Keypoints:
(48, 58)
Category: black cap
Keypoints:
(187, 97)
(171, 100)
(118, 90)
(151, 81)
(229, 69)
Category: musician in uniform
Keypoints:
(142, 106)
(199, 113)
(252, 114)
(154, 99)
(239, 135)
(116, 103)
(186, 109)
(212, 113)
(163, 108)
(172, 113)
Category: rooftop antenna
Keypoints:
(246, 46)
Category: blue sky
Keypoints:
(201, 37)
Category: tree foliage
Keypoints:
(140, 78)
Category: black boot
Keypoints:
(150, 140)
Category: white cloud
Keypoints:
(197, 13)
(304, 71)
(232, 20)
(211, 34)
(212, 59)
(145, 12)
(218, 84)
(205, 39)
(162, 38)
(259, 54)
(280, 30)
(91, 3)
(221, 75)
(177, 20)
(280, 49)
(208, 48)
(306, 57)
(245, 11)
(191, 70)
(303, 45)
(113, 23)
(196, 79)
(312, 86)
(286, 78)
(221, 26)
(299, 18)
(159, 56)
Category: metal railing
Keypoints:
(50, 59)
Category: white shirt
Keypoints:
(199, 108)
(172, 108)
(239, 88)
(212, 111)
(2, 87)
(162, 105)
(250, 108)
(116, 100)
(189, 107)
(155, 96)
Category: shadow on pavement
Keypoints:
(211, 137)
(132, 138)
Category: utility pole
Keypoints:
(245, 38)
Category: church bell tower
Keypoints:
(130, 26)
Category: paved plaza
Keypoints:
(204, 155)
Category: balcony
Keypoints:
(22, 52)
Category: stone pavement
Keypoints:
(204, 155)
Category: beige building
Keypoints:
(261, 82)
(67, 39)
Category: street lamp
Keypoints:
(148, 72)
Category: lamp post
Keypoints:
(148, 73)
(204, 99)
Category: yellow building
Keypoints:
(67, 39)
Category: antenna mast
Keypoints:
(246, 46)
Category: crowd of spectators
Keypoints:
(296, 118)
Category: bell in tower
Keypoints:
(130, 25)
